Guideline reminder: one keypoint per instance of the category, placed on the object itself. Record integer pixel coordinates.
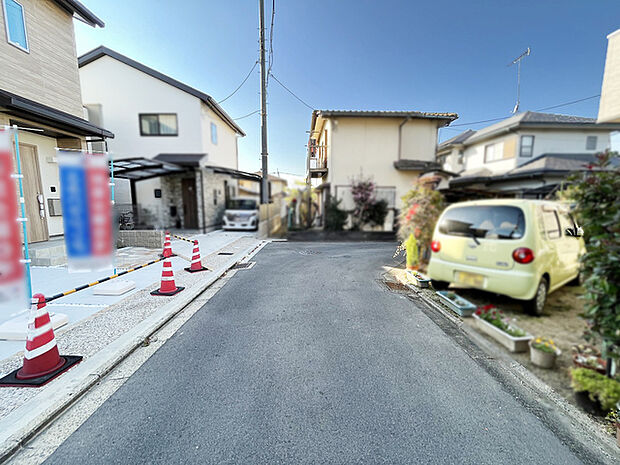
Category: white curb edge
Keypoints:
(24, 422)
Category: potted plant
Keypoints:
(595, 393)
(419, 279)
(458, 304)
(587, 356)
(543, 352)
(494, 323)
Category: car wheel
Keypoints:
(536, 305)
(577, 281)
(439, 285)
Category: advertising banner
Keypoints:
(12, 289)
(87, 210)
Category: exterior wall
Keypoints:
(123, 93)
(225, 152)
(545, 141)
(609, 107)
(48, 74)
(369, 147)
(214, 197)
(419, 139)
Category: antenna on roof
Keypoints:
(517, 61)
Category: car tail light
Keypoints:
(435, 246)
(523, 255)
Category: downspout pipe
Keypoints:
(400, 135)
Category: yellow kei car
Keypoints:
(520, 248)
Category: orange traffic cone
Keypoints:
(42, 361)
(168, 287)
(196, 261)
(167, 247)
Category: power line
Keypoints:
(291, 92)
(245, 116)
(539, 109)
(240, 85)
(273, 14)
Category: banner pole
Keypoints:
(112, 185)
(23, 218)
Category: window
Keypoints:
(164, 124)
(493, 152)
(566, 222)
(213, 133)
(214, 196)
(484, 222)
(15, 23)
(552, 226)
(527, 146)
(591, 143)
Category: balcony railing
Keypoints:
(318, 161)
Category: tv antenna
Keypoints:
(517, 61)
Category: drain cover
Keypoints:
(225, 253)
(309, 252)
(243, 266)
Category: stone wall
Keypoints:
(140, 238)
(215, 196)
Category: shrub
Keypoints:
(421, 209)
(335, 218)
(368, 210)
(599, 387)
(597, 196)
(411, 248)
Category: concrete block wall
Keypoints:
(140, 238)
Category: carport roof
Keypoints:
(137, 169)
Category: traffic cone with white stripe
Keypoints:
(196, 261)
(168, 287)
(167, 247)
(42, 362)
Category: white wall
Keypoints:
(224, 152)
(123, 93)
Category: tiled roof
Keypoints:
(458, 139)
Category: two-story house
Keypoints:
(609, 106)
(175, 147)
(40, 93)
(392, 148)
(527, 155)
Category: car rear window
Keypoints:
(484, 221)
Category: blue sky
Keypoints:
(449, 55)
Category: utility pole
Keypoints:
(263, 108)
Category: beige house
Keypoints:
(609, 107)
(251, 188)
(526, 155)
(40, 90)
(390, 147)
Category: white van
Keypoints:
(241, 213)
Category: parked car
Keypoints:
(524, 249)
(241, 213)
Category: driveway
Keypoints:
(308, 358)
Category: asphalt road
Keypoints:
(306, 358)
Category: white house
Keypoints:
(40, 93)
(528, 154)
(393, 148)
(175, 146)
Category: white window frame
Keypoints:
(497, 149)
(531, 146)
(213, 128)
(588, 138)
(6, 27)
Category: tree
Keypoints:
(368, 210)
(597, 196)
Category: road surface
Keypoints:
(307, 358)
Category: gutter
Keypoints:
(400, 132)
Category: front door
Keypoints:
(190, 210)
(36, 226)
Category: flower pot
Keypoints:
(593, 407)
(458, 304)
(580, 361)
(512, 343)
(543, 359)
(419, 279)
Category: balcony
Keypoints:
(318, 161)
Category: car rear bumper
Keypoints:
(515, 283)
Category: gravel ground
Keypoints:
(91, 335)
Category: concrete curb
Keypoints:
(24, 422)
(574, 419)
